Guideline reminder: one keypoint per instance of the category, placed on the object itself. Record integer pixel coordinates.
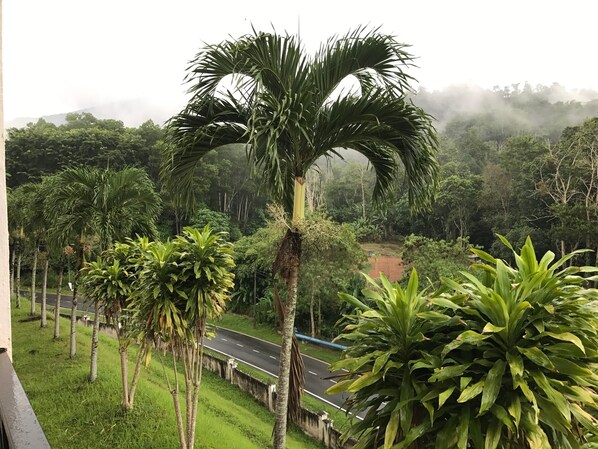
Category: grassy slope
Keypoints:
(75, 414)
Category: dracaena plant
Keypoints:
(519, 373)
(111, 280)
(396, 338)
(185, 282)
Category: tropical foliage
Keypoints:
(93, 207)
(183, 283)
(289, 109)
(110, 281)
(507, 359)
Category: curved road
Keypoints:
(255, 352)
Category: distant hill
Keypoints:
(132, 113)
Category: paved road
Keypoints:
(257, 353)
(264, 356)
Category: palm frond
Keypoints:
(373, 58)
(202, 127)
(388, 131)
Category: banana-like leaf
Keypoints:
(514, 410)
(391, 429)
(443, 397)
(493, 434)
(471, 391)
(569, 337)
(536, 356)
(492, 386)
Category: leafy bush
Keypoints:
(434, 259)
(507, 361)
(366, 231)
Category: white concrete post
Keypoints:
(231, 365)
(271, 392)
(5, 325)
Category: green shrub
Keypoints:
(508, 360)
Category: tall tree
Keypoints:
(17, 203)
(87, 205)
(289, 109)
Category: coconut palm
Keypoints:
(289, 109)
(90, 205)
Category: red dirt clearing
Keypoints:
(391, 267)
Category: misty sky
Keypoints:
(64, 55)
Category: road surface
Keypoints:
(257, 353)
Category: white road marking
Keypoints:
(311, 372)
(272, 357)
(224, 339)
(240, 345)
(333, 381)
(255, 350)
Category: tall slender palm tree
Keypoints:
(289, 109)
(17, 205)
(32, 227)
(105, 204)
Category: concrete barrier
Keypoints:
(317, 425)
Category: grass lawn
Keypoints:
(75, 413)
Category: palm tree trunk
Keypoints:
(124, 374)
(18, 281)
(73, 340)
(288, 258)
(12, 268)
(282, 387)
(33, 270)
(57, 306)
(44, 318)
(93, 366)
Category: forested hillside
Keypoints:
(514, 161)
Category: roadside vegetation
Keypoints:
(75, 413)
(293, 173)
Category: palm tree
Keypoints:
(31, 226)
(87, 203)
(289, 109)
(17, 203)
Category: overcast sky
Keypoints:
(64, 55)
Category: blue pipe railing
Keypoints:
(317, 341)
